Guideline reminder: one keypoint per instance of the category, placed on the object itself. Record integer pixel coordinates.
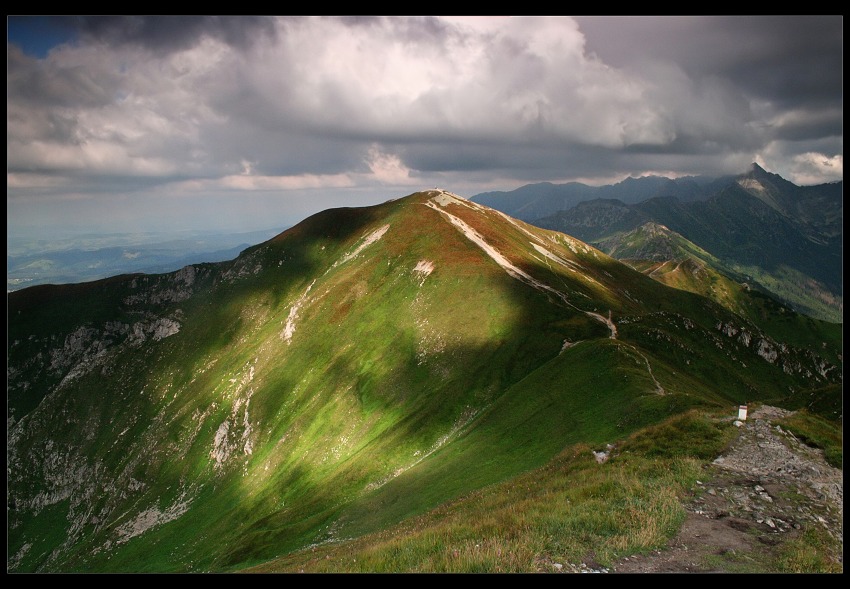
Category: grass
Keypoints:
(818, 432)
(826, 402)
(569, 511)
(564, 513)
(688, 435)
(813, 552)
(396, 396)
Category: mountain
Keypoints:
(783, 239)
(360, 369)
(534, 201)
(669, 258)
(818, 209)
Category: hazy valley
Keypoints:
(93, 256)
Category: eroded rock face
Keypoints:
(155, 329)
(45, 469)
(766, 351)
(792, 361)
(89, 347)
(165, 288)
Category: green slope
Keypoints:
(669, 258)
(569, 511)
(363, 367)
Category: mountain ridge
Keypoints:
(783, 239)
(362, 367)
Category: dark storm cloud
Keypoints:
(37, 83)
(275, 152)
(793, 59)
(810, 124)
(795, 56)
(537, 163)
(411, 30)
(786, 60)
(789, 68)
(163, 34)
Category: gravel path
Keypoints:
(761, 493)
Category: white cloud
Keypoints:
(388, 168)
(816, 168)
(798, 166)
(245, 182)
(347, 103)
(506, 80)
(92, 156)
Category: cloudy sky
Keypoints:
(240, 123)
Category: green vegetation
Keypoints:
(571, 510)
(669, 258)
(826, 401)
(810, 553)
(360, 371)
(690, 434)
(818, 432)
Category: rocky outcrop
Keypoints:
(163, 288)
(792, 360)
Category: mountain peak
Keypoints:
(759, 173)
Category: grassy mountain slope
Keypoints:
(361, 368)
(669, 258)
(571, 510)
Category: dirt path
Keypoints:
(755, 498)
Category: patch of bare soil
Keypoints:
(764, 491)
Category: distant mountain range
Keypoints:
(534, 201)
(783, 239)
(372, 366)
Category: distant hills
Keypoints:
(372, 365)
(783, 239)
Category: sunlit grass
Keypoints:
(570, 511)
